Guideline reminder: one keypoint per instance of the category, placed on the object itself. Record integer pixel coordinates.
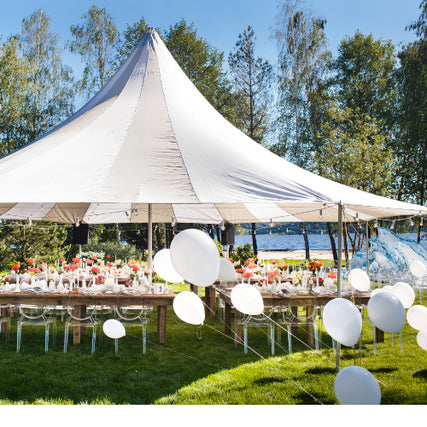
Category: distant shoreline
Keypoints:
(297, 254)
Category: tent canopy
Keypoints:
(149, 138)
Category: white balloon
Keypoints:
(163, 267)
(359, 280)
(387, 288)
(189, 308)
(226, 270)
(355, 385)
(422, 339)
(195, 257)
(113, 329)
(404, 292)
(342, 321)
(417, 317)
(247, 299)
(386, 312)
(418, 269)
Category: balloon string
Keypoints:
(273, 366)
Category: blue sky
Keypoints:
(221, 21)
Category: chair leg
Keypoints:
(116, 345)
(289, 339)
(18, 337)
(316, 337)
(144, 340)
(93, 339)
(272, 339)
(245, 338)
(46, 338)
(401, 341)
(374, 338)
(67, 328)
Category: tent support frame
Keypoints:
(150, 245)
(339, 274)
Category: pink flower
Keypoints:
(15, 267)
(247, 274)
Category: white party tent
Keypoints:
(149, 141)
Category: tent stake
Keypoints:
(150, 246)
(338, 350)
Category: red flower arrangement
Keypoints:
(135, 267)
(61, 260)
(240, 270)
(76, 260)
(313, 265)
(15, 267)
(95, 270)
(30, 261)
(89, 262)
(33, 270)
(109, 264)
(273, 274)
(247, 274)
(94, 257)
(42, 266)
(107, 256)
(320, 281)
(332, 274)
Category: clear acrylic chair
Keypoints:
(36, 314)
(260, 321)
(129, 314)
(293, 322)
(81, 317)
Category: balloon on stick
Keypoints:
(417, 317)
(195, 257)
(404, 292)
(189, 308)
(163, 267)
(226, 270)
(342, 321)
(355, 385)
(113, 329)
(359, 280)
(386, 312)
(418, 268)
(247, 299)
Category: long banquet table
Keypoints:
(81, 300)
(277, 301)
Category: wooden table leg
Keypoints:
(309, 332)
(194, 288)
(227, 319)
(4, 311)
(79, 331)
(161, 323)
(379, 335)
(210, 296)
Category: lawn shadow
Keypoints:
(317, 371)
(383, 370)
(269, 381)
(421, 374)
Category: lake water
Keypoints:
(295, 241)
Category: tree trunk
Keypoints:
(254, 244)
(158, 237)
(307, 247)
(345, 234)
(333, 246)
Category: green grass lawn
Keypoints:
(191, 369)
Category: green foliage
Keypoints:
(242, 254)
(14, 86)
(252, 80)
(40, 241)
(365, 78)
(355, 152)
(95, 41)
(202, 64)
(117, 250)
(304, 60)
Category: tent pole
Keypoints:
(338, 350)
(367, 247)
(150, 246)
